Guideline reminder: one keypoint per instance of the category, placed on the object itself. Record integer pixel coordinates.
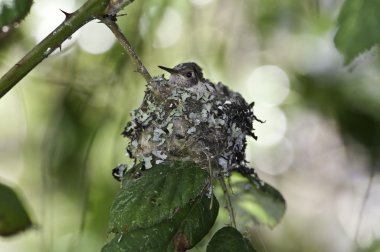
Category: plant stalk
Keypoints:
(92, 9)
(140, 68)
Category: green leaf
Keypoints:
(13, 216)
(228, 239)
(258, 200)
(155, 195)
(13, 11)
(186, 228)
(178, 231)
(358, 27)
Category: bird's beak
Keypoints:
(170, 70)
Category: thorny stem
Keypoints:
(73, 21)
(90, 10)
(127, 47)
(228, 202)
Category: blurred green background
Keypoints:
(60, 126)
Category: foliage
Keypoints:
(14, 11)
(228, 239)
(83, 97)
(358, 24)
(155, 195)
(155, 211)
(13, 215)
(257, 200)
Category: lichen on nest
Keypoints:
(205, 123)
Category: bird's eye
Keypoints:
(189, 74)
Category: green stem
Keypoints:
(90, 10)
(117, 5)
(140, 68)
(228, 202)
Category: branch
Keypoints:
(127, 47)
(117, 5)
(228, 202)
(73, 21)
(92, 9)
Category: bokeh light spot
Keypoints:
(268, 85)
(95, 38)
(200, 2)
(50, 16)
(273, 130)
(169, 30)
(274, 159)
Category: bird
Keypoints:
(189, 118)
(185, 74)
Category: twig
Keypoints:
(140, 68)
(211, 177)
(228, 202)
(90, 10)
(116, 5)
(362, 208)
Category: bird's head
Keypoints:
(185, 74)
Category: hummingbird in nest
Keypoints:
(187, 117)
(185, 74)
(189, 76)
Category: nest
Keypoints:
(206, 124)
